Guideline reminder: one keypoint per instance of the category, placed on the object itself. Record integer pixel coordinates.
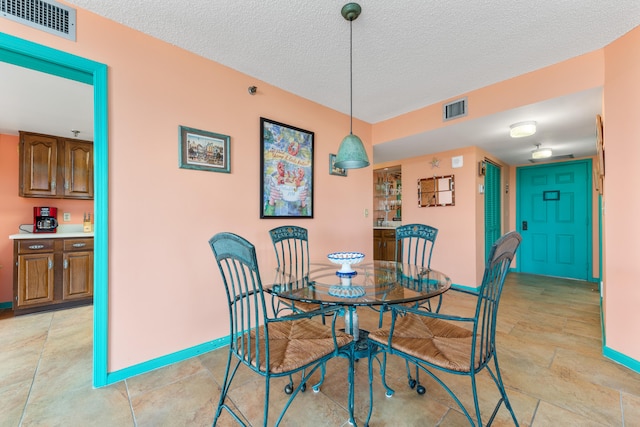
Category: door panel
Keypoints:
(492, 208)
(554, 203)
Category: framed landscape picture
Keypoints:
(286, 171)
(204, 150)
(333, 170)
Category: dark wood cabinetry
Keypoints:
(384, 244)
(52, 273)
(55, 167)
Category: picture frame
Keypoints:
(203, 150)
(333, 170)
(286, 170)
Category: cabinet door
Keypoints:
(78, 169)
(377, 245)
(35, 279)
(389, 247)
(38, 165)
(77, 275)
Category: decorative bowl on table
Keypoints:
(346, 260)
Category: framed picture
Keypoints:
(286, 171)
(333, 170)
(204, 150)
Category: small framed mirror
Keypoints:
(436, 191)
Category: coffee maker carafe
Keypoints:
(45, 219)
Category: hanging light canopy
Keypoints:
(351, 154)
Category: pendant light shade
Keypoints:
(351, 154)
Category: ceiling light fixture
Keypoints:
(522, 129)
(351, 154)
(541, 153)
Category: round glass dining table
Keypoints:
(376, 283)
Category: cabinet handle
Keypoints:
(53, 185)
(79, 245)
(50, 265)
(66, 185)
(36, 246)
(66, 264)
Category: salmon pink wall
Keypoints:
(467, 224)
(621, 205)
(15, 210)
(165, 292)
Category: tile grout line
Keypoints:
(133, 414)
(35, 373)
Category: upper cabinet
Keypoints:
(387, 195)
(55, 167)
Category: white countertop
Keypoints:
(63, 231)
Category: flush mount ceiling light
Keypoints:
(351, 154)
(541, 153)
(522, 129)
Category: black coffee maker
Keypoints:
(45, 219)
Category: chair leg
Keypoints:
(497, 379)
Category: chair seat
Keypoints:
(304, 307)
(294, 344)
(435, 341)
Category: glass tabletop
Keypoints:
(376, 283)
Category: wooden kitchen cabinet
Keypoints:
(384, 244)
(52, 273)
(55, 167)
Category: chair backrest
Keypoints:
(291, 244)
(237, 261)
(496, 269)
(414, 244)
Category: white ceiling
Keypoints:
(407, 54)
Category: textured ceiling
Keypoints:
(407, 54)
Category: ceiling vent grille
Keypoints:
(454, 109)
(49, 16)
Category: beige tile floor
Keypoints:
(549, 345)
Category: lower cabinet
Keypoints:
(52, 273)
(384, 244)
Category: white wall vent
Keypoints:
(454, 109)
(49, 16)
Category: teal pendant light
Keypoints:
(351, 154)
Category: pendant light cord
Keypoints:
(351, 74)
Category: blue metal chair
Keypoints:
(414, 245)
(271, 347)
(291, 244)
(437, 342)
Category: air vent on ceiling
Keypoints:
(548, 159)
(49, 16)
(454, 109)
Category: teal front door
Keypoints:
(554, 218)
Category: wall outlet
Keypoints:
(66, 216)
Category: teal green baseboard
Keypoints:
(169, 359)
(622, 359)
(5, 305)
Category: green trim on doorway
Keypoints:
(47, 60)
(167, 360)
(622, 359)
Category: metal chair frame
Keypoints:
(483, 327)
(414, 245)
(250, 323)
(291, 244)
